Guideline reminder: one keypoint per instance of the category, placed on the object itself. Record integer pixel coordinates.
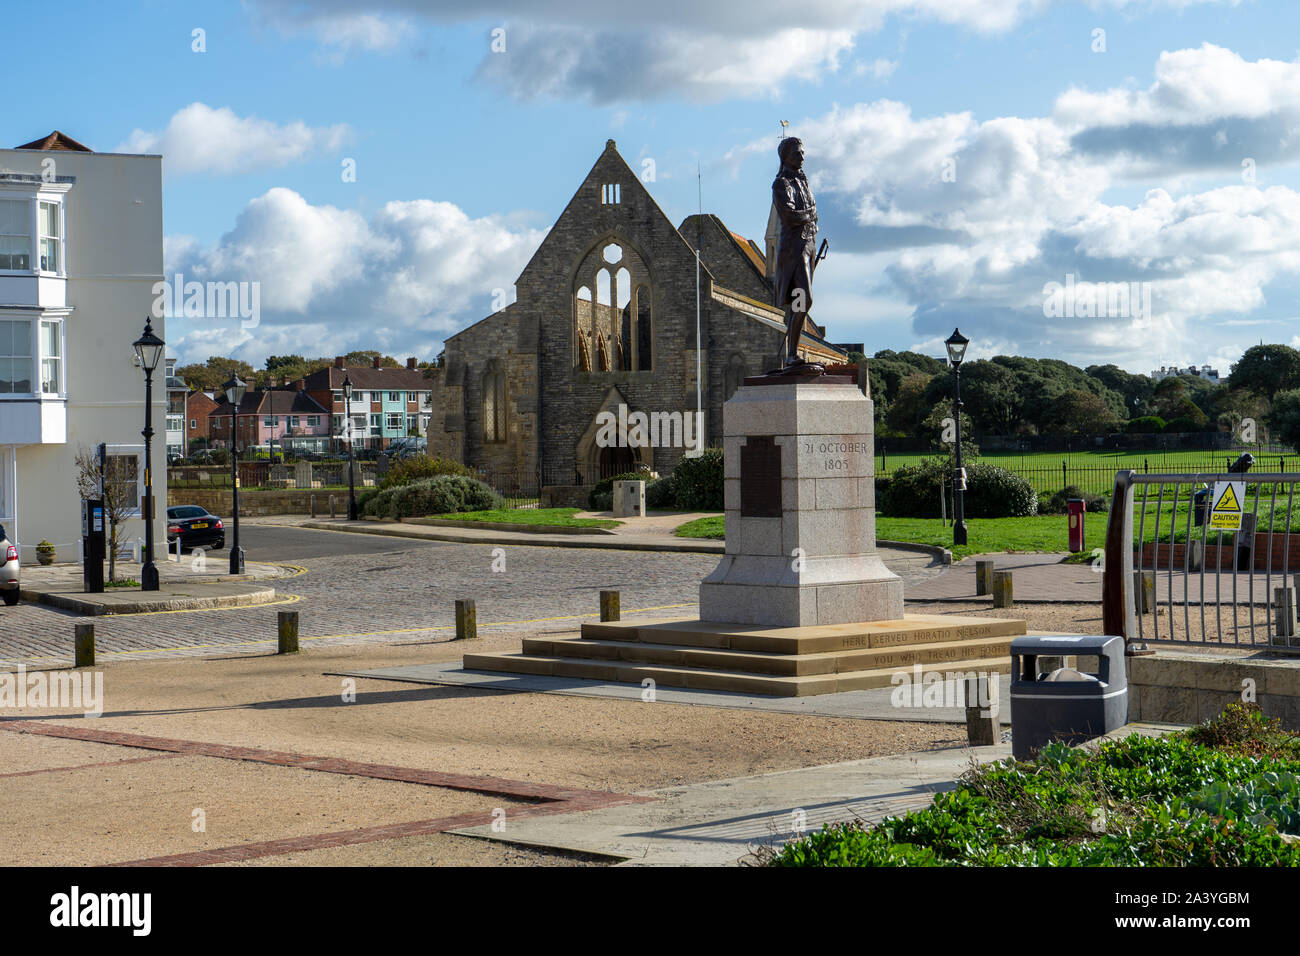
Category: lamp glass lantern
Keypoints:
(956, 345)
(149, 347)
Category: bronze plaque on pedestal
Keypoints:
(760, 477)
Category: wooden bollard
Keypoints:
(1144, 591)
(981, 723)
(288, 633)
(1002, 593)
(466, 620)
(609, 606)
(84, 645)
(984, 577)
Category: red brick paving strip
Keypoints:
(556, 799)
(88, 766)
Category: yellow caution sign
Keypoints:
(1225, 508)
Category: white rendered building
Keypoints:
(81, 247)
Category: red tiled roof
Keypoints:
(57, 140)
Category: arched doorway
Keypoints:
(616, 461)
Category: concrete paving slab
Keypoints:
(875, 704)
(719, 823)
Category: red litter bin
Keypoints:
(1075, 508)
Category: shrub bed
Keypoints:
(430, 496)
(991, 492)
(1218, 795)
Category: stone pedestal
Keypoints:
(629, 499)
(800, 512)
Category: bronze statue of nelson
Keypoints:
(796, 250)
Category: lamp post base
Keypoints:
(149, 577)
(236, 560)
(959, 533)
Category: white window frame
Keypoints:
(31, 253)
(33, 357)
(313, 421)
(39, 236)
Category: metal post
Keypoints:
(352, 490)
(149, 571)
(287, 633)
(83, 637)
(958, 505)
(236, 552)
(609, 606)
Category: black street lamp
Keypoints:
(234, 390)
(347, 436)
(149, 349)
(956, 345)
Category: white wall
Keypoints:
(114, 255)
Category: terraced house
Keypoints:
(605, 317)
(387, 403)
(80, 250)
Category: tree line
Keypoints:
(212, 375)
(1012, 395)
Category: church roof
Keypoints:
(57, 140)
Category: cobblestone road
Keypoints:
(377, 589)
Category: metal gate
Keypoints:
(1210, 587)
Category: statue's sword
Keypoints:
(821, 254)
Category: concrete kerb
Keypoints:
(236, 595)
(489, 533)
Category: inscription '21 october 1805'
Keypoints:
(835, 455)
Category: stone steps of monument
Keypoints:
(759, 662)
(771, 685)
(912, 630)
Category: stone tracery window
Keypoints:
(612, 306)
(494, 403)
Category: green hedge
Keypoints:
(697, 482)
(991, 492)
(431, 496)
(420, 467)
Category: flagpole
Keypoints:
(699, 363)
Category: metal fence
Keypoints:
(1171, 578)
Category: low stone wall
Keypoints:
(288, 502)
(565, 496)
(1185, 688)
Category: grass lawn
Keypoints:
(1094, 471)
(1039, 533)
(551, 517)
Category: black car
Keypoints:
(195, 528)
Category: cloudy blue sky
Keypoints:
(965, 154)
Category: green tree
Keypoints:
(1078, 411)
(1267, 370)
(215, 372)
(1284, 418)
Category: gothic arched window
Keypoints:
(494, 404)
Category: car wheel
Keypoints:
(11, 597)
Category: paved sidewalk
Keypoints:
(1037, 579)
(901, 559)
(183, 585)
(719, 823)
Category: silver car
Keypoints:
(9, 569)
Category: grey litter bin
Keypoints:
(1066, 705)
